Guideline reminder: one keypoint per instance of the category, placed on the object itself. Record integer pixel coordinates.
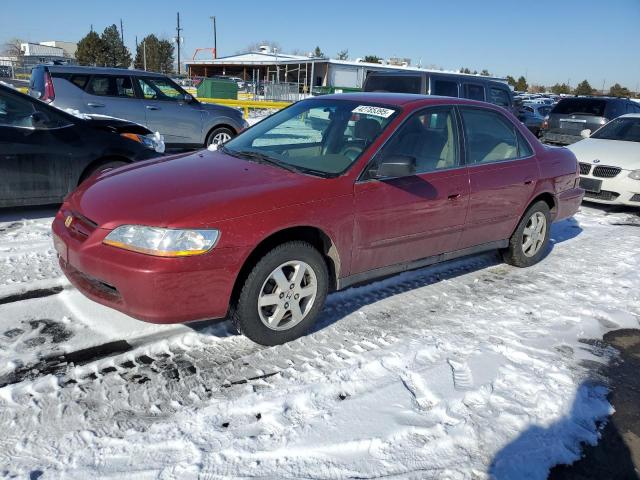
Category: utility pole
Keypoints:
(215, 38)
(178, 30)
(144, 54)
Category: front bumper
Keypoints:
(153, 289)
(620, 190)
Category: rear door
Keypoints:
(168, 113)
(37, 148)
(503, 172)
(404, 219)
(114, 96)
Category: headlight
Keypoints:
(162, 242)
(154, 142)
(635, 174)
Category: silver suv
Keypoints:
(147, 98)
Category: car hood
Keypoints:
(195, 190)
(116, 125)
(625, 155)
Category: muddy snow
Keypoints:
(470, 369)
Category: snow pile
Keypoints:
(470, 369)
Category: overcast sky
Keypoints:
(553, 41)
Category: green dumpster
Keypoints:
(218, 88)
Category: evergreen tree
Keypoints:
(521, 84)
(559, 88)
(159, 55)
(317, 53)
(371, 59)
(115, 53)
(618, 90)
(511, 81)
(90, 50)
(583, 88)
(485, 73)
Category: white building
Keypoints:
(69, 48)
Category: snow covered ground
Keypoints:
(470, 369)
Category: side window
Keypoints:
(524, 149)
(445, 88)
(430, 137)
(79, 81)
(490, 136)
(111, 86)
(20, 112)
(159, 89)
(499, 96)
(474, 92)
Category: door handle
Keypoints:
(454, 196)
(95, 105)
(152, 107)
(528, 181)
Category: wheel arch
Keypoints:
(100, 161)
(313, 235)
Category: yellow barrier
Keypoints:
(246, 104)
(23, 89)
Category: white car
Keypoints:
(610, 162)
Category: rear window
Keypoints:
(399, 84)
(580, 106)
(474, 92)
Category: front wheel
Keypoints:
(529, 242)
(282, 295)
(219, 135)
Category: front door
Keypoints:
(404, 219)
(167, 112)
(37, 146)
(503, 172)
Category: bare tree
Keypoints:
(11, 47)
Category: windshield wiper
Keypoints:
(261, 158)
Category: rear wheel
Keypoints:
(101, 168)
(528, 244)
(282, 295)
(219, 136)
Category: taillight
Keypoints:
(49, 94)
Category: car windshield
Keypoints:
(580, 106)
(321, 137)
(625, 129)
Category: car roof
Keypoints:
(402, 99)
(99, 70)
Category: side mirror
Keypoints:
(396, 166)
(586, 133)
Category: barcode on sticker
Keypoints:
(376, 111)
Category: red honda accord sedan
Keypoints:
(330, 192)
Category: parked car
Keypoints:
(146, 98)
(265, 226)
(45, 153)
(532, 115)
(473, 87)
(610, 162)
(572, 115)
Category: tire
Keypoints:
(517, 253)
(223, 134)
(101, 168)
(251, 319)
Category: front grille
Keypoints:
(602, 195)
(585, 168)
(635, 197)
(606, 172)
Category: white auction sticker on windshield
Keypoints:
(376, 111)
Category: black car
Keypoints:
(46, 152)
(572, 115)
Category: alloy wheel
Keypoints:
(287, 295)
(534, 234)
